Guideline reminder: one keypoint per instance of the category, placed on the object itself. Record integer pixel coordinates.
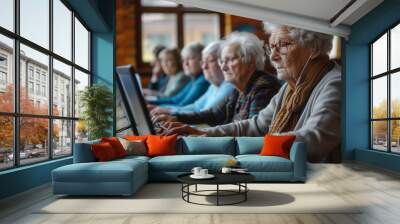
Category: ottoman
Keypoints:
(118, 177)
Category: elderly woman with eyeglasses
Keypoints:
(242, 65)
(307, 106)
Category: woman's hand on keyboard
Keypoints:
(179, 128)
(163, 118)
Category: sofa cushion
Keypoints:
(103, 152)
(257, 163)
(161, 145)
(206, 145)
(111, 171)
(185, 163)
(249, 145)
(134, 147)
(277, 145)
(116, 145)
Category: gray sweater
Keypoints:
(318, 126)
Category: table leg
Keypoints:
(217, 194)
(196, 188)
(245, 191)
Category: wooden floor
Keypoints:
(377, 188)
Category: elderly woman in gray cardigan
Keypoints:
(307, 105)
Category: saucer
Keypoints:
(208, 176)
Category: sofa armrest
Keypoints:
(298, 155)
(83, 152)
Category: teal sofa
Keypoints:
(125, 176)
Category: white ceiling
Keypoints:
(324, 9)
(317, 15)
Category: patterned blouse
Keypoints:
(238, 106)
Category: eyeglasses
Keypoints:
(281, 47)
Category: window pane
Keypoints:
(157, 29)
(81, 45)
(379, 97)
(81, 131)
(62, 89)
(158, 3)
(6, 142)
(379, 55)
(34, 97)
(395, 136)
(6, 74)
(395, 47)
(33, 139)
(81, 81)
(395, 94)
(62, 138)
(62, 29)
(379, 135)
(7, 14)
(202, 28)
(35, 21)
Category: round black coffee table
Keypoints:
(238, 179)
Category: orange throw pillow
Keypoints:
(116, 145)
(277, 145)
(103, 151)
(161, 145)
(136, 137)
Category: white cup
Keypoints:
(226, 170)
(203, 172)
(196, 170)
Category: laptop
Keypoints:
(132, 97)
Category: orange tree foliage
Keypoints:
(33, 130)
(380, 127)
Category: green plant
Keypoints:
(96, 103)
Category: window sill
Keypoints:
(26, 167)
(385, 160)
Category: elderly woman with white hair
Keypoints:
(242, 64)
(198, 85)
(307, 106)
(216, 92)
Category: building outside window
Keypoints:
(43, 90)
(385, 91)
(30, 72)
(43, 77)
(57, 128)
(3, 78)
(30, 87)
(38, 89)
(37, 75)
(3, 72)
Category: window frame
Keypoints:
(388, 74)
(179, 11)
(16, 115)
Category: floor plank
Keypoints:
(377, 190)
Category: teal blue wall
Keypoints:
(99, 15)
(356, 83)
(24, 178)
(103, 50)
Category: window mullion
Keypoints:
(73, 82)
(50, 81)
(16, 84)
(389, 106)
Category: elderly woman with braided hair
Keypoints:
(307, 106)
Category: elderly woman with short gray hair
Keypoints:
(307, 106)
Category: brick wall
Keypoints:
(126, 32)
